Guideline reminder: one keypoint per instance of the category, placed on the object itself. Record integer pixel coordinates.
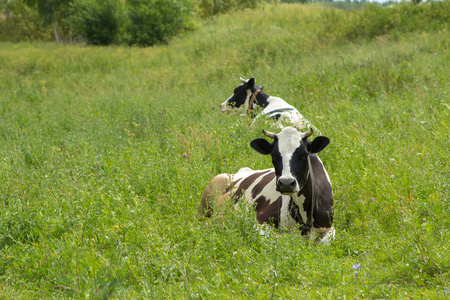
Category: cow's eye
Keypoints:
(275, 158)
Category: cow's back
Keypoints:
(246, 184)
(257, 188)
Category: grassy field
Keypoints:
(104, 154)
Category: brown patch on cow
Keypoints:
(267, 212)
(246, 183)
(257, 189)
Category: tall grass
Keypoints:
(98, 201)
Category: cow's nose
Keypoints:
(286, 185)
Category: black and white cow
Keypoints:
(248, 97)
(295, 193)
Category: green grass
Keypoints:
(98, 201)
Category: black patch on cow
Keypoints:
(299, 165)
(276, 113)
(267, 212)
(240, 94)
(279, 110)
(277, 160)
(294, 211)
(262, 146)
(261, 98)
(275, 117)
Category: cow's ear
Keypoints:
(318, 144)
(250, 83)
(262, 146)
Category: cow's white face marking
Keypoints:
(224, 107)
(289, 140)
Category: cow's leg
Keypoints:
(323, 235)
(214, 192)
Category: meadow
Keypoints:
(105, 152)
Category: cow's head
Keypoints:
(241, 96)
(289, 150)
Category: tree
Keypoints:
(98, 21)
(53, 12)
(19, 22)
(156, 21)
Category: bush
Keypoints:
(294, 1)
(155, 21)
(98, 21)
(213, 7)
(18, 22)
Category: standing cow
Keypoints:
(248, 98)
(295, 193)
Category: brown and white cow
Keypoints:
(295, 193)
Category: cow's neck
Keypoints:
(304, 200)
(302, 212)
(260, 99)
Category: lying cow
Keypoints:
(248, 97)
(295, 193)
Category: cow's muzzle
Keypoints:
(287, 186)
(223, 107)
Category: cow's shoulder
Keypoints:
(276, 103)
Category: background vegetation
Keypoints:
(105, 22)
(150, 22)
(105, 152)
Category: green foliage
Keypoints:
(98, 201)
(156, 21)
(53, 13)
(98, 21)
(294, 1)
(214, 7)
(137, 22)
(49, 9)
(19, 22)
(374, 20)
